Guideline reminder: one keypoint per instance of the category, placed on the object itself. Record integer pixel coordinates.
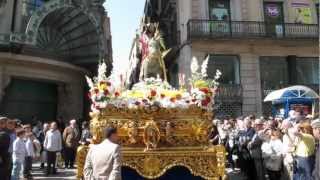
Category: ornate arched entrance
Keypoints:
(67, 31)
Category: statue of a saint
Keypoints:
(153, 51)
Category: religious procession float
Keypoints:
(160, 127)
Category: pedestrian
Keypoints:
(272, 154)
(27, 165)
(11, 128)
(254, 147)
(316, 132)
(18, 155)
(37, 129)
(41, 138)
(85, 134)
(288, 140)
(104, 160)
(246, 162)
(5, 159)
(71, 137)
(304, 153)
(52, 145)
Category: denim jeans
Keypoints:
(303, 168)
(27, 166)
(16, 169)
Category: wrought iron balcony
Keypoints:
(250, 29)
(229, 93)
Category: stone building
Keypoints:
(46, 48)
(258, 45)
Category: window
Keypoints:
(274, 73)
(307, 70)
(219, 10)
(228, 65)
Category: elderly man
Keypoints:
(71, 137)
(254, 147)
(246, 162)
(316, 132)
(103, 161)
(4, 150)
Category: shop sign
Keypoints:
(272, 10)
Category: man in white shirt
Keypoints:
(18, 154)
(103, 161)
(52, 144)
(27, 165)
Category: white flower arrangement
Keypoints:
(153, 91)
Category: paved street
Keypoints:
(68, 174)
(64, 174)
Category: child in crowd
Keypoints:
(18, 154)
(30, 153)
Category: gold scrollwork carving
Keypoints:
(157, 139)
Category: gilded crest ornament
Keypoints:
(151, 135)
(132, 132)
(169, 133)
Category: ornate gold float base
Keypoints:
(208, 164)
(154, 140)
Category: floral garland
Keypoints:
(153, 92)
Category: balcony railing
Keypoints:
(229, 93)
(250, 29)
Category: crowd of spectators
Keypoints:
(271, 148)
(22, 144)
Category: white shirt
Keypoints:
(52, 141)
(29, 147)
(19, 150)
(272, 151)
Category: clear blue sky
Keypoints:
(125, 17)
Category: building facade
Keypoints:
(259, 45)
(46, 48)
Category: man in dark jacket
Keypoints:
(316, 132)
(4, 150)
(245, 160)
(71, 137)
(254, 147)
